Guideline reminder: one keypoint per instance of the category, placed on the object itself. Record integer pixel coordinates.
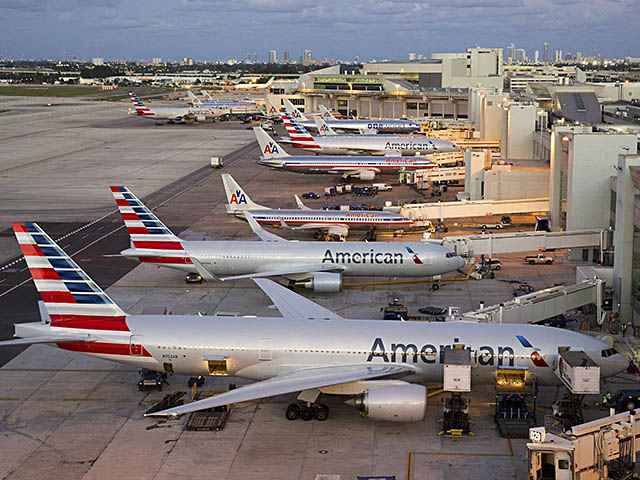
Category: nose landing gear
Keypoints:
(307, 411)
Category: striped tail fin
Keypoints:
(139, 107)
(71, 298)
(297, 133)
(145, 229)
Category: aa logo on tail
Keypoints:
(296, 114)
(324, 128)
(271, 148)
(238, 198)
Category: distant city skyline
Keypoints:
(378, 29)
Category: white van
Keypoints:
(382, 187)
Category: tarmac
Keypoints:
(65, 415)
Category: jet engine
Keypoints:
(200, 118)
(366, 175)
(393, 403)
(325, 282)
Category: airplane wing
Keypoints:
(261, 232)
(290, 304)
(301, 205)
(50, 339)
(293, 381)
(288, 271)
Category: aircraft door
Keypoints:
(135, 346)
(265, 349)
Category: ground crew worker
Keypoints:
(606, 400)
(623, 329)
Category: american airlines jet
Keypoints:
(299, 137)
(353, 126)
(316, 265)
(336, 222)
(381, 366)
(173, 114)
(363, 167)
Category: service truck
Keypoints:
(539, 258)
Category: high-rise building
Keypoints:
(98, 61)
(412, 56)
(557, 56)
(579, 57)
(536, 56)
(273, 56)
(511, 52)
(157, 61)
(519, 55)
(306, 57)
(285, 57)
(545, 52)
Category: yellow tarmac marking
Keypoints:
(465, 454)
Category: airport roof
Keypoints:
(425, 61)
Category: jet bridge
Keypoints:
(493, 243)
(472, 208)
(542, 304)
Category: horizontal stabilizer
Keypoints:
(51, 339)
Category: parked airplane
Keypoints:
(316, 265)
(335, 222)
(363, 167)
(273, 112)
(173, 114)
(381, 365)
(254, 86)
(299, 137)
(220, 103)
(350, 125)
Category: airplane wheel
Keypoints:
(307, 413)
(435, 287)
(322, 413)
(293, 412)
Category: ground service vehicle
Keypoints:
(538, 259)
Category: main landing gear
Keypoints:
(307, 411)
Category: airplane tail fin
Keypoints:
(300, 204)
(295, 113)
(195, 100)
(270, 81)
(299, 135)
(206, 95)
(71, 299)
(146, 230)
(139, 107)
(326, 114)
(323, 128)
(237, 199)
(271, 108)
(268, 146)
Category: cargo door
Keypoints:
(264, 352)
(135, 346)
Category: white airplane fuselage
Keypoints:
(384, 126)
(340, 164)
(373, 144)
(354, 219)
(260, 348)
(398, 259)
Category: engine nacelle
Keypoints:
(366, 175)
(326, 282)
(200, 118)
(393, 403)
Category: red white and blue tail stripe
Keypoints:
(139, 106)
(146, 230)
(71, 298)
(299, 135)
(149, 236)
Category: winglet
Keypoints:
(301, 205)
(261, 232)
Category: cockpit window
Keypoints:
(607, 352)
(451, 255)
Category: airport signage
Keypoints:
(345, 80)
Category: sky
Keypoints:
(332, 29)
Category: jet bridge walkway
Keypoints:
(494, 243)
(472, 208)
(543, 304)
